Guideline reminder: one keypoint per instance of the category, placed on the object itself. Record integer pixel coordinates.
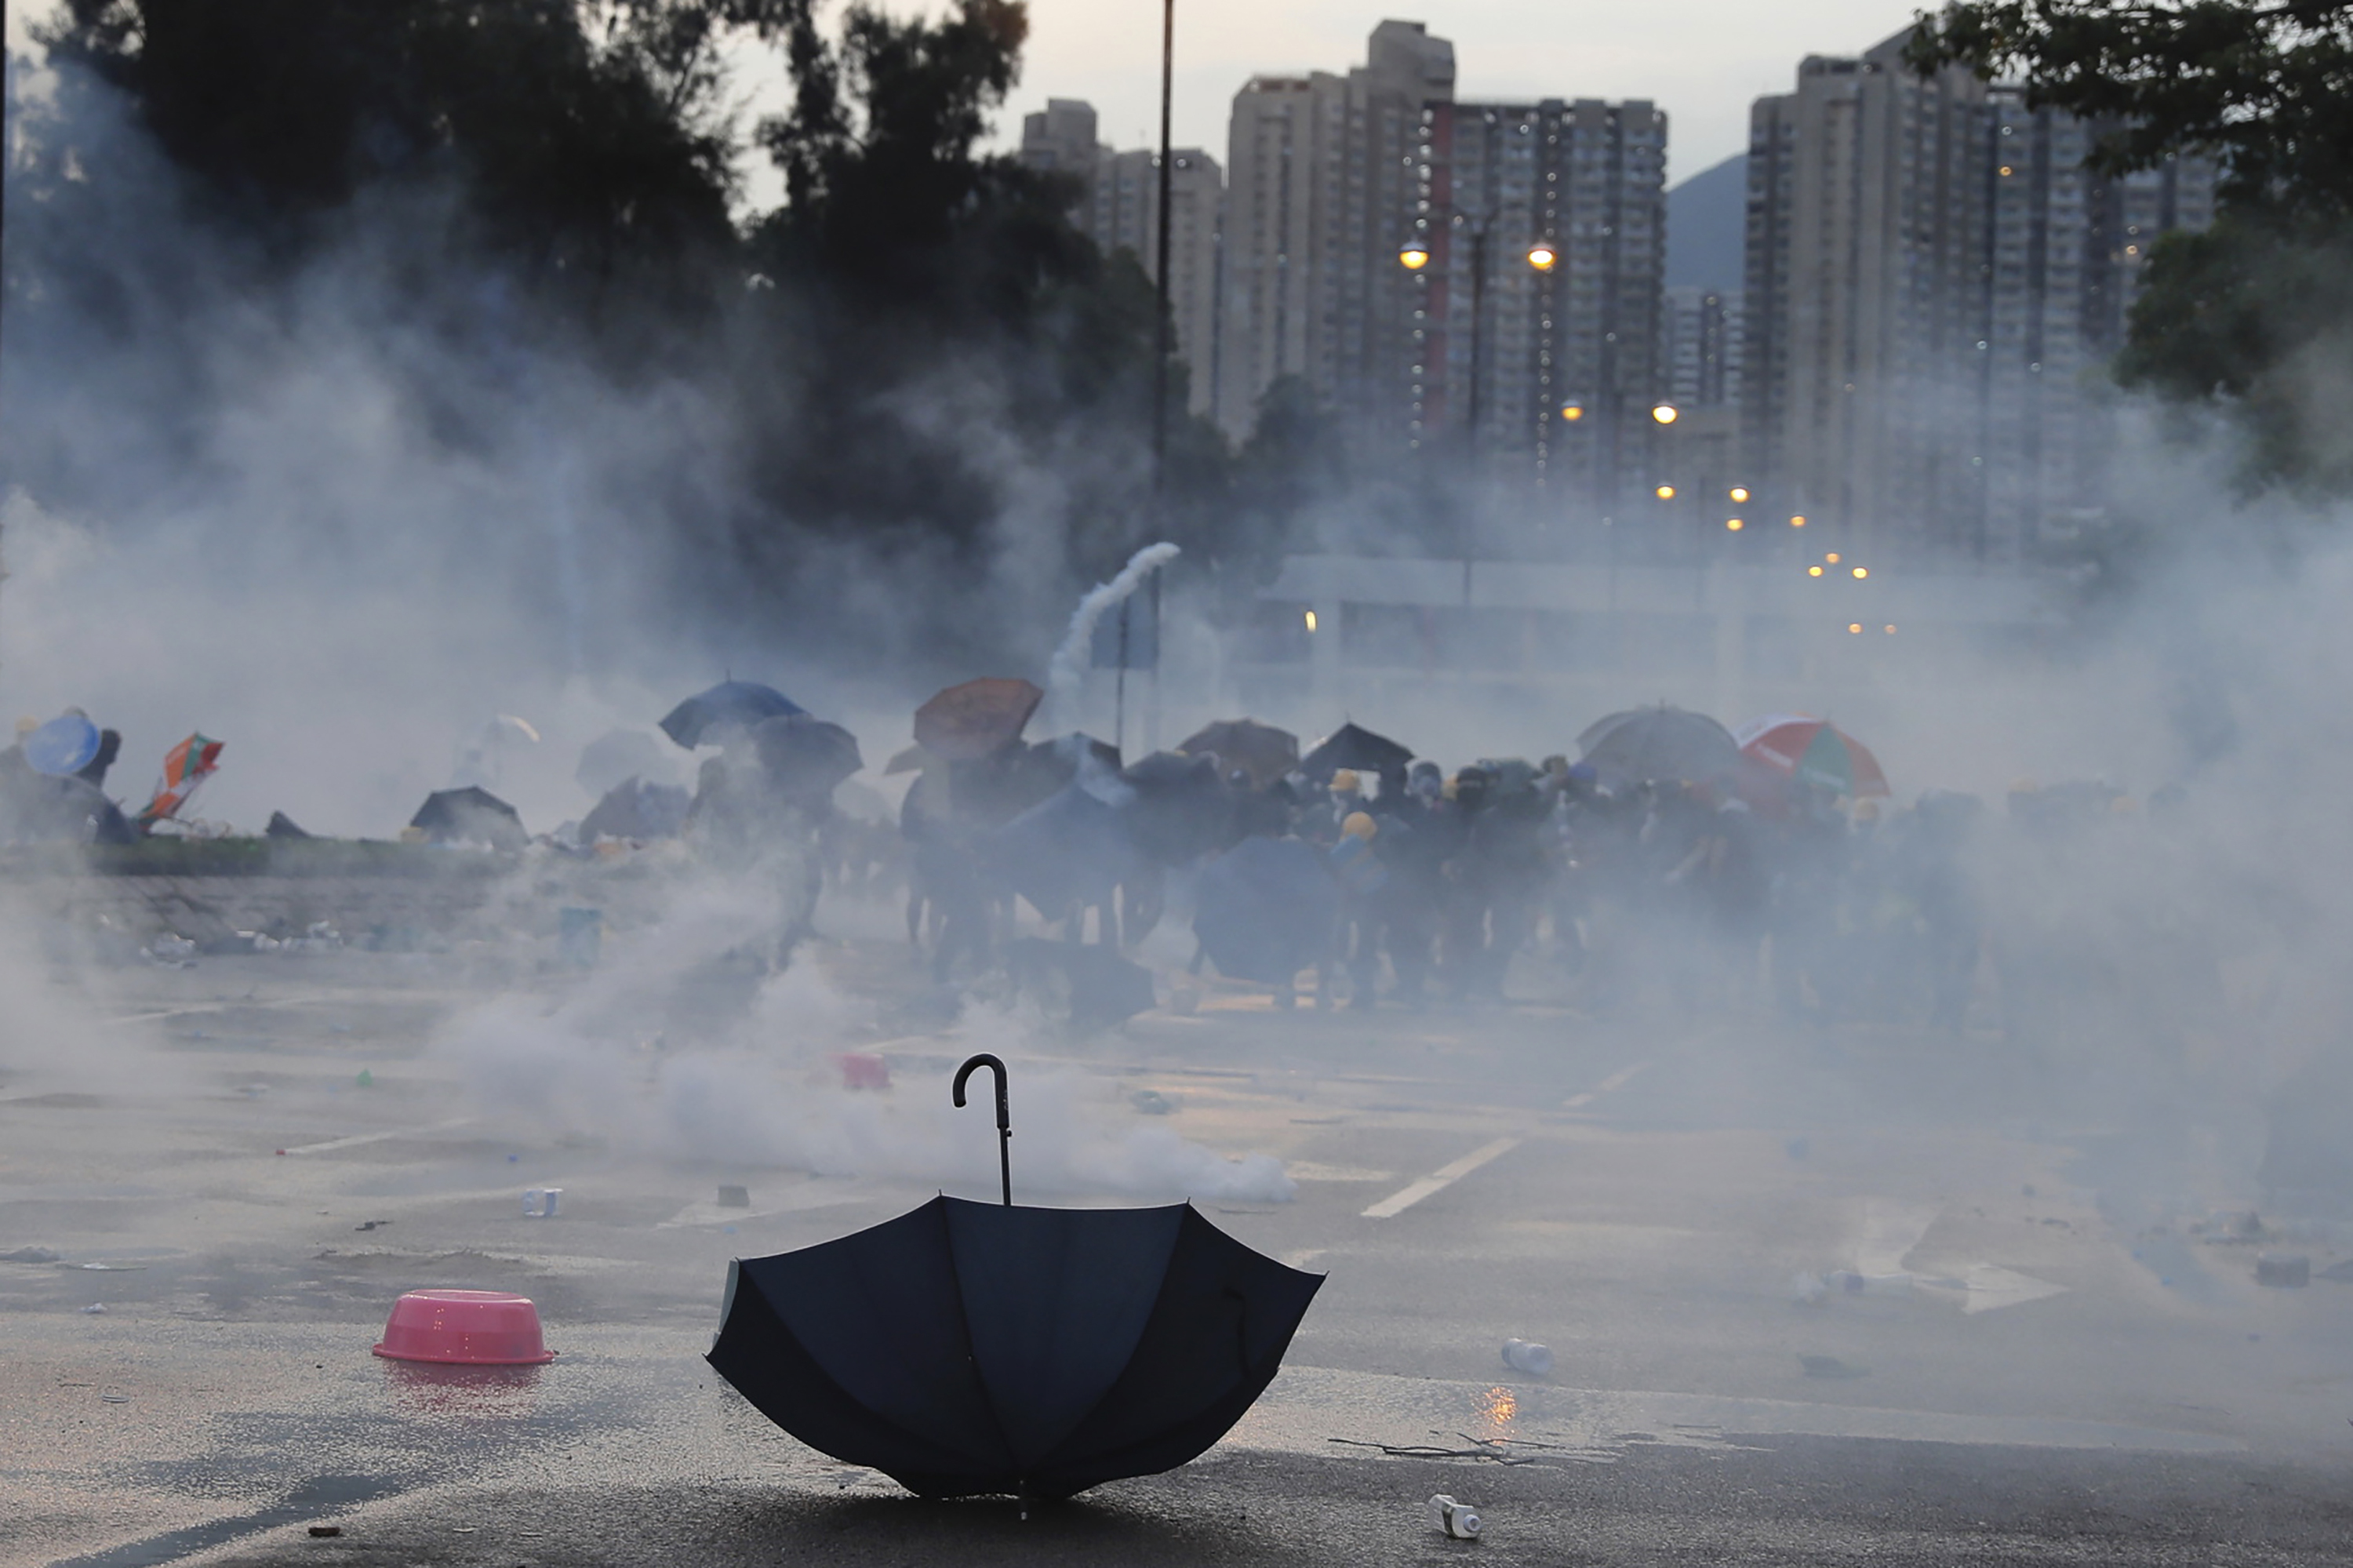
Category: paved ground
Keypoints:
(2048, 1362)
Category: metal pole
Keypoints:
(1478, 375)
(1163, 327)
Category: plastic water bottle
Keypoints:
(1525, 1356)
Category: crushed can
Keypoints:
(1454, 1520)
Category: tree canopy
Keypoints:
(2254, 314)
(570, 168)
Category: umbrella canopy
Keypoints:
(804, 757)
(1812, 751)
(1353, 745)
(64, 745)
(730, 704)
(1182, 809)
(969, 1347)
(185, 765)
(977, 718)
(1072, 848)
(1262, 751)
(1265, 909)
(470, 815)
(911, 759)
(1661, 743)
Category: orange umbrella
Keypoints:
(977, 719)
(185, 765)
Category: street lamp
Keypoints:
(1665, 413)
(1414, 257)
(1541, 256)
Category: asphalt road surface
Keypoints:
(1811, 1295)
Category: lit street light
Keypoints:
(1666, 492)
(1739, 492)
(1665, 413)
(1541, 256)
(1414, 258)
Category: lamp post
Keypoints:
(1541, 256)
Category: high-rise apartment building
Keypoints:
(1864, 301)
(1700, 347)
(1933, 279)
(1566, 351)
(1326, 174)
(1118, 207)
(1122, 213)
(1544, 373)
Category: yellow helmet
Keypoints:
(1359, 825)
(1346, 782)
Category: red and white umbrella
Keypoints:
(1812, 751)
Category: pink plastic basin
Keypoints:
(465, 1328)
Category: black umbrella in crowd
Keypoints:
(1262, 751)
(967, 1348)
(1353, 745)
(470, 815)
(730, 704)
(1663, 743)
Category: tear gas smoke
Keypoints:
(1066, 672)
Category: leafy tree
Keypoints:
(2254, 315)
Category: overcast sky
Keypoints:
(1702, 60)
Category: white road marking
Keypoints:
(360, 1137)
(196, 1008)
(1992, 1287)
(1610, 1085)
(1438, 1180)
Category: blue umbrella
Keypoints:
(63, 745)
(1265, 908)
(730, 704)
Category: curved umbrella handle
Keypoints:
(1004, 1116)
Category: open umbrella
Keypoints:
(1354, 747)
(1661, 743)
(185, 765)
(64, 745)
(804, 757)
(730, 704)
(1070, 848)
(967, 1348)
(1264, 909)
(977, 718)
(1812, 751)
(1262, 751)
(470, 815)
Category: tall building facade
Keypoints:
(1326, 176)
(1701, 346)
(1541, 374)
(1547, 237)
(1932, 279)
(1118, 207)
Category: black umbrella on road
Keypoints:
(730, 704)
(1355, 747)
(967, 1348)
(1660, 743)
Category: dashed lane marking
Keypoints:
(1438, 1180)
(1610, 1085)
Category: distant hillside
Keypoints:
(1706, 218)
